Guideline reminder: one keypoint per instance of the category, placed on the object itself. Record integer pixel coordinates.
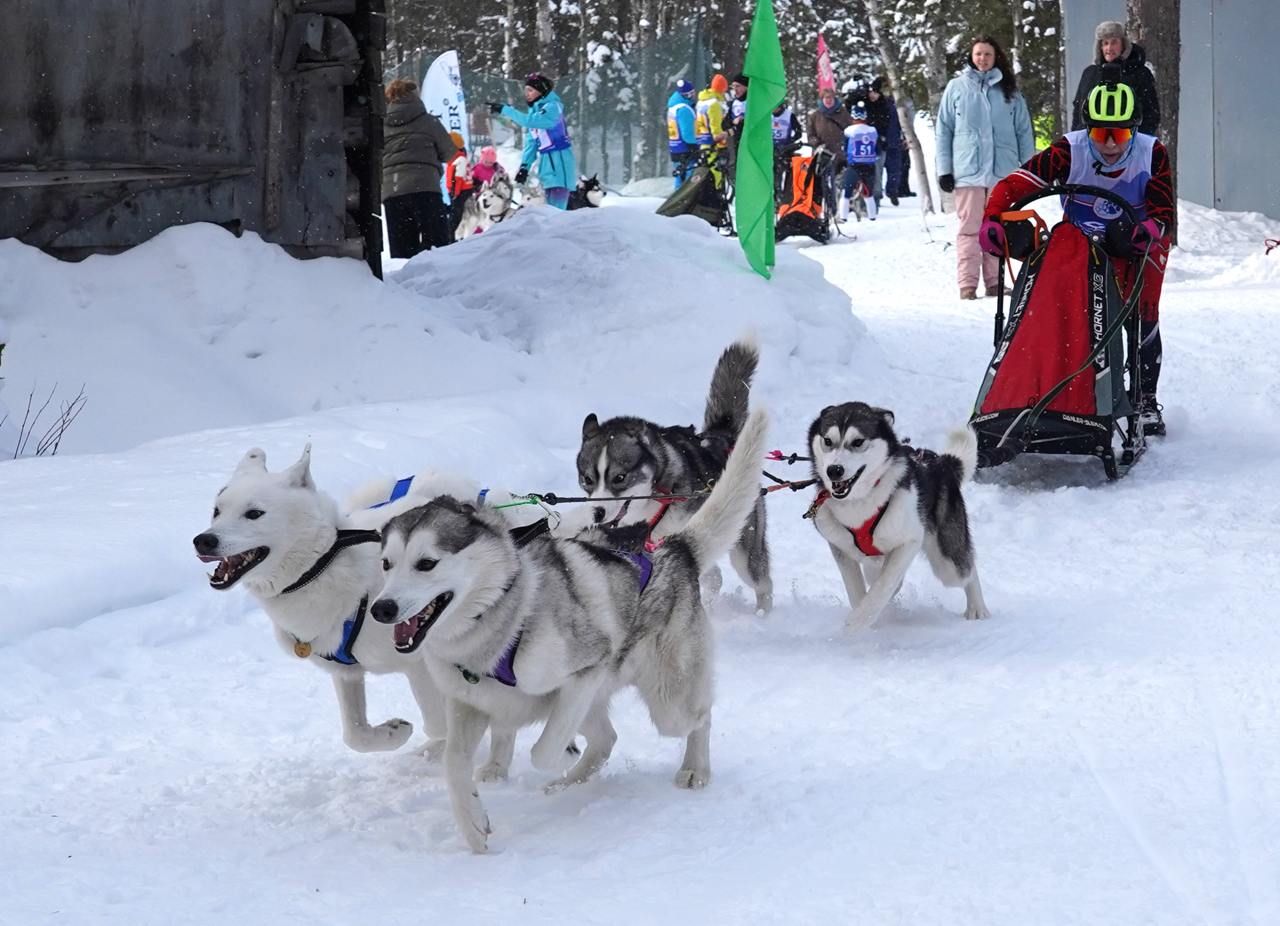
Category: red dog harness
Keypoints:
(862, 534)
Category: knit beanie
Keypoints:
(540, 83)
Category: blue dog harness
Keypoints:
(398, 491)
(350, 630)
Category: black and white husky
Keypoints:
(315, 569)
(515, 632)
(881, 501)
(628, 456)
(589, 193)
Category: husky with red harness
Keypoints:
(1109, 155)
(881, 501)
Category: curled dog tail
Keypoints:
(731, 386)
(718, 524)
(962, 447)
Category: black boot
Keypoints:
(1150, 413)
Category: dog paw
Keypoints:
(491, 771)
(473, 821)
(857, 623)
(976, 613)
(385, 737)
(692, 779)
(433, 750)
(550, 758)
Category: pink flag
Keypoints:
(826, 76)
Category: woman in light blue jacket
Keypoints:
(546, 139)
(984, 134)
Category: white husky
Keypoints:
(315, 570)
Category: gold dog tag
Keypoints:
(301, 650)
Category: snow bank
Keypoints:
(617, 293)
(198, 329)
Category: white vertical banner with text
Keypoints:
(442, 95)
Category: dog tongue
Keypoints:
(404, 631)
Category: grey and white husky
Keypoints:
(315, 569)
(631, 456)
(493, 203)
(514, 634)
(881, 501)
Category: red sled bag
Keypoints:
(1062, 379)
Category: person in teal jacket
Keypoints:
(546, 139)
(984, 134)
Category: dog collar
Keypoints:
(345, 538)
(350, 631)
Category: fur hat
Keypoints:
(539, 82)
(1112, 30)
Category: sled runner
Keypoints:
(1065, 376)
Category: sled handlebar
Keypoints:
(1075, 189)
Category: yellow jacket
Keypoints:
(708, 121)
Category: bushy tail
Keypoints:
(716, 526)
(731, 386)
(962, 446)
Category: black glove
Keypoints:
(494, 107)
(947, 183)
(522, 174)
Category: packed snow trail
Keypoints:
(1106, 748)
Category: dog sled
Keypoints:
(1065, 376)
(809, 210)
(702, 196)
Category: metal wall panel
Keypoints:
(1246, 65)
(1196, 136)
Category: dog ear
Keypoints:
(299, 474)
(590, 427)
(255, 461)
(885, 414)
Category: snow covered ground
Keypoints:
(1106, 749)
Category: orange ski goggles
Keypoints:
(1098, 135)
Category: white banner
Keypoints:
(442, 95)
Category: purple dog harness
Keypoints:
(504, 670)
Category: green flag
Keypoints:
(754, 191)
